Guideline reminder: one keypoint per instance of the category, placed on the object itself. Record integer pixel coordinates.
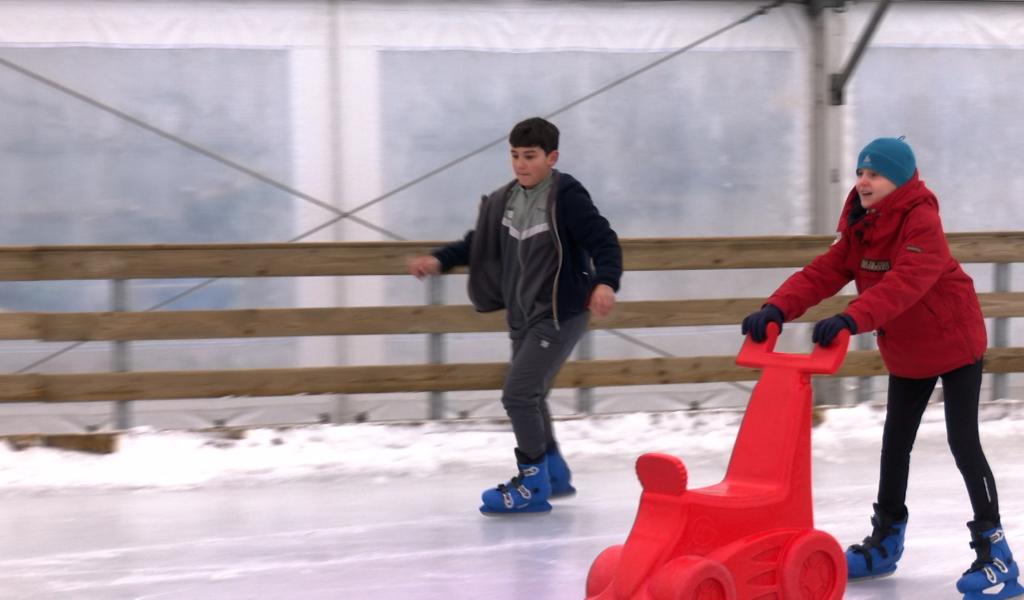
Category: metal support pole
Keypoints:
(341, 404)
(839, 80)
(119, 356)
(826, 154)
(585, 396)
(436, 347)
(814, 7)
(1000, 329)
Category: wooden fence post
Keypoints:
(120, 354)
(1000, 329)
(436, 347)
(585, 395)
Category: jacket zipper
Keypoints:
(519, 281)
(558, 248)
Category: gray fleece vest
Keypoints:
(515, 254)
(530, 255)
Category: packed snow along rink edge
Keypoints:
(168, 460)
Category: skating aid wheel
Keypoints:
(692, 578)
(602, 571)
(813, 568)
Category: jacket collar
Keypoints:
(901, 200)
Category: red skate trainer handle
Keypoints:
(822, 360)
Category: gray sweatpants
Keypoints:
(537, 355)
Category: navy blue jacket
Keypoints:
(588, 247)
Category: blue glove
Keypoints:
(756, 323)
(826, 330)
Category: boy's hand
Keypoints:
(421, 266)
(602, 300)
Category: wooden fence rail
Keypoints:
(162, 385)
(362, 320)
(36, 263)
(379, 258)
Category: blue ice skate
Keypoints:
(527, 492)
(561, 476)
(878, 554)
(993, 576)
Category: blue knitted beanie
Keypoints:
(892, 157)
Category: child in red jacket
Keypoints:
(924, 309)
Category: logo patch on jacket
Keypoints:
(875, 265)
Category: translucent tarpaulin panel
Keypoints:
(345, 103)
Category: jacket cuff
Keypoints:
(776, 310)
(850, 322)
(440, 256)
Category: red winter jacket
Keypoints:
(911, 290)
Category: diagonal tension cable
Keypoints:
(351, 214)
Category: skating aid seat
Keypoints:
(750, 535)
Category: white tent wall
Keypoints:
(494, 64)
(947, 76)
(346, 102)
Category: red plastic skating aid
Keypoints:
(752, 535)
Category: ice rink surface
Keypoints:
(379, 537)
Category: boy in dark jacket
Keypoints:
(929, 324)
(543, 252)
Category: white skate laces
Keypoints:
(517, 483)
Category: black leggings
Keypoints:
(907, 400)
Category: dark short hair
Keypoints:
(534, 131)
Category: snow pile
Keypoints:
(149, 459)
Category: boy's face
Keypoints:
(531, 164)
(872, 187)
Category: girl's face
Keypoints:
(872, 187)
